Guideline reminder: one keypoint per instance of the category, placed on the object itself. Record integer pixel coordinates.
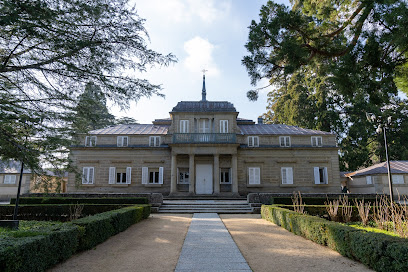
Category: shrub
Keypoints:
(311, 200)
(74, 200)
(377, 250)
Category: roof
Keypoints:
(12, 167)
(278, 129)
(204, 106)
(128, 129)
(397, 167)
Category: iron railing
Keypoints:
(199, 138)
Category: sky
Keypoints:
(202, 34)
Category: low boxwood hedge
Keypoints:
(321, 211)
(377, 250)
(42, 248)
(81, 200)
(315, 200)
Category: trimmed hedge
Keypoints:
(321, 211)
(81, 200)
(48, 212)
(377, 250)
(33, 251)
(315, 200)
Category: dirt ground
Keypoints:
(153, 244)
(268, 247)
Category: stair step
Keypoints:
(206, 211)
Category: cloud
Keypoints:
(199, 56)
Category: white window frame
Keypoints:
(223, 126)
(183, 173)
(222, 173)
(10, 179)
(397, 179)
(122, 141)
(184, 126)
(146, 175)
(317, 171)
(86, 173)
(254, 175)
(90, 141)
(315, 141)
(284, 141)
(113, 176)
(207, 126)
(253, 141)
(369, 179)
(287, 175)
(154, 141)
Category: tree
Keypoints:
(49, 49)
(332, 62)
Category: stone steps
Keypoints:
(205, 206)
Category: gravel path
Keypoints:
(268, 247)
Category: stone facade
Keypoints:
(205, 149)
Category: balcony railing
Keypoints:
(206, 138)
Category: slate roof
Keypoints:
(278, 129)
(204, 106)
(397, 167)
(12, 167)
(129, 129)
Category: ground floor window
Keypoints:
(287, 175)
(10, 179)
(183, 176)
(88, 174)
(152, 175)
(225, 176)
(320, 175)
(120, 175)
(254, 175)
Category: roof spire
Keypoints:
(204, 92)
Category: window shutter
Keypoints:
(87, 141)
(93, 141)
(325, 176)
(250, 141)
(161, 175)
(91, 175)
(119, 141)
(284, 176)
(288, 141)
(128, 175)
(289, 175)
(157, 141)
(256, 141)
(316, 175)
(369, 180)
(112, 173)
(151, 141)
(145, 172)
(13, 179)
(85, 173)
(251, 175)
(257, 175)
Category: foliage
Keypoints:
(331, 63)
(377, 250)
(312, 200)
(81, 200)
(49, 50)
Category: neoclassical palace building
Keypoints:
(205, 149)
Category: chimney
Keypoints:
(260, 120)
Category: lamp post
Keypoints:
(372, 118)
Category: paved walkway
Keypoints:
(209, 247)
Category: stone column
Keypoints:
(234, 174)
(191, 174)
(216, 173)
(173, 184)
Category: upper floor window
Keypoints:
(10, 179)
(369, 180)
(320, 175)
(184, 126)
(204, 126)
(253, 141)
(284, 141)
(397, 179)
(287, 175)
(122, 141)
(154, 141)
(316, 141)
(223, 126)
(254, 175)
(88, 174)
(90, 141)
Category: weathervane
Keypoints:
(204, 71)
(204, 92)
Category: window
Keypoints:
(225, 177)
(183, 126)
(287, 175)
(253, 141)
(154, 141)
(183, 176)
(223, 126)
(204, 126)
(152, 175)
(254, 175)
(120, 175)
(369, 180)
(397, 179)
(122, 141)
(320, 175)
(316, 141)
(90, 141)
(284, 141)
(10, 179)
(88, 174)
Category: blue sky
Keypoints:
(208, 34)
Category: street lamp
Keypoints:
(372, 118)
